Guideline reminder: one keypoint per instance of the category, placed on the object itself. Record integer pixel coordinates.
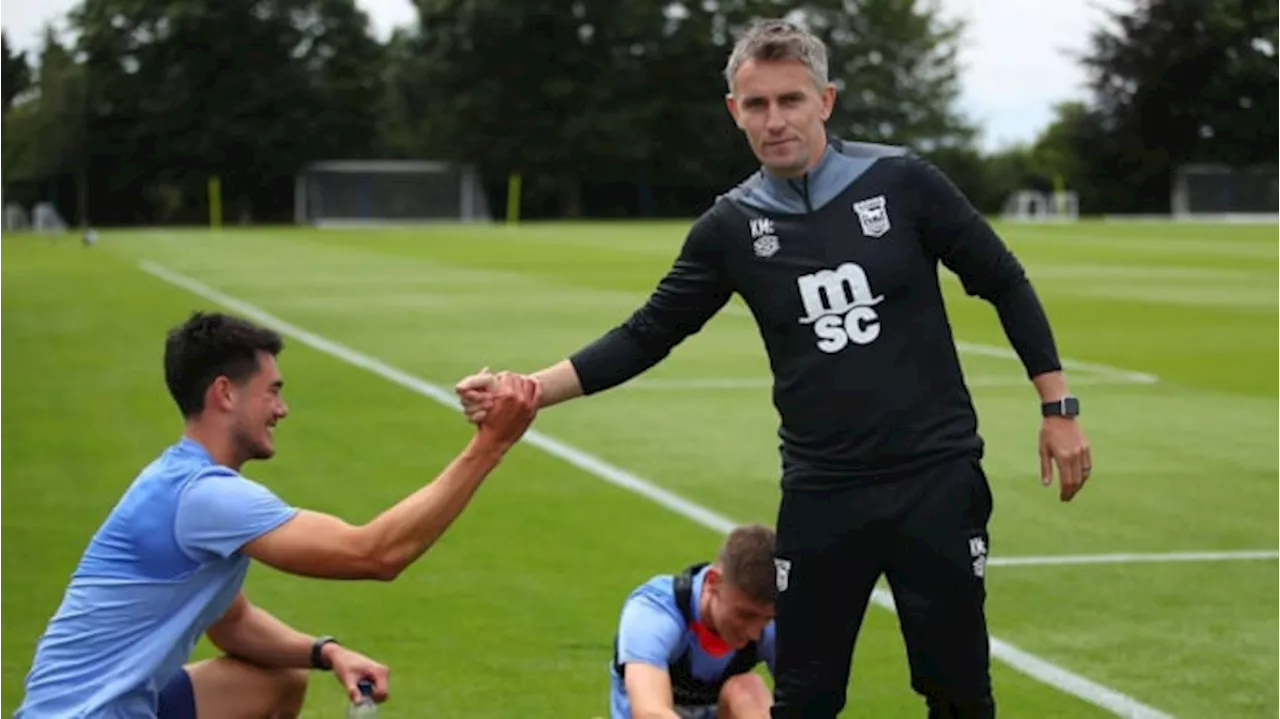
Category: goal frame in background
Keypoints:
(1036, 206)
(1218, 192)
(16, 218)
(320, 202)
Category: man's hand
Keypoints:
(476, 392)
(557, 383)
(1062, 441)
(350, 667)
(511, 401)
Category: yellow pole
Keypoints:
(215, 202)
(513, 198)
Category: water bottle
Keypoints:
(364, 707)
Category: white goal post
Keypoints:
(16, 218)
(44, 218)
(1037, 206)
(356, 193)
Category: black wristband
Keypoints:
(317, 659)
(1066, 407)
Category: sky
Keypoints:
(1015, 60)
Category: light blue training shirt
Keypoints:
(652, 630)
(164, 565)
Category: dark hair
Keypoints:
(211, 345)
(746, 559)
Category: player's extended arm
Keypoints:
(315, 544)
(321, 545)
(963, 240)
(649, 691)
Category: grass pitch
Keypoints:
(1171, 331)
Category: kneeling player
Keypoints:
(687, 643)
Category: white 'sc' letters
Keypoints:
(840, 305)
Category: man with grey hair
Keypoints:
(835, 248)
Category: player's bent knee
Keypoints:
(747, 685)
(284, 691)
(745, 695)
(291, 686)
(230, 687)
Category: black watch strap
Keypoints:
(317, 659)
(1066, 407)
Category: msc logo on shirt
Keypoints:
(839, 304)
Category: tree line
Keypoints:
(605, 108)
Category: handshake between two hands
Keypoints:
(501, 405)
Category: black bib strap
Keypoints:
(682, 585)
(688, 690)
(682, 588)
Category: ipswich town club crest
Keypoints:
(873, 215)
(783, 572)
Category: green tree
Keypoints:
(1061, 153)
(247, 90)
(633, 92)
(17, 73)
(895, 65)
(1175, 81)
(572, 107)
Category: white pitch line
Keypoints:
(735, 383)
(1008, 353)
(1029, 664)
(1067, 363)
(703, 383)
(1058, 560)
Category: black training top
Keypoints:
(840, 270)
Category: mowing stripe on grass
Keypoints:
(1129, 558)
(1066, 362)
(1029, 664)
(734, 383)
(1007, 353)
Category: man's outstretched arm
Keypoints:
(559, 383)
(693, 290)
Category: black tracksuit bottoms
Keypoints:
(926, 532)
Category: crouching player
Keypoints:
(687, 643)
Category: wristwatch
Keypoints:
(1066, 407)
(317, 659)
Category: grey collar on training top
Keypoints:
(842, 163)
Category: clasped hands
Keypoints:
(501, 405)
